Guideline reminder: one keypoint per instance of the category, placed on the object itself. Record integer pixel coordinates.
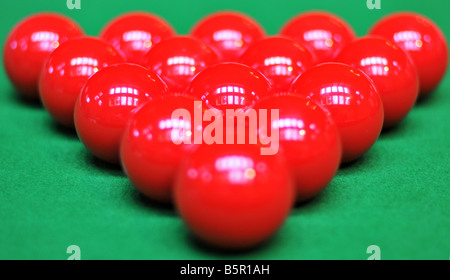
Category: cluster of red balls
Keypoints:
(329, 94)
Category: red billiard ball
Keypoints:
(308, 138)
(352, 100)
(106, 103)
(135, 33)
(156, 141)
(29, 44)
(324, 33)
(232, 197)
(229, 85)
(280, 59)
(422, 39)
(67, 70)
(229, 33)
(177, 60)
(391, 70)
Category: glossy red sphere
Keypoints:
(177, 60)
(30, 43)
(228, 33)
(280, 59)
(231, 196)
(155, 142)
(308, 138)
(106, 103)
(324, 33)
(423, 40)
(352, 100)
(135, 33)
(68, 69)
(229, 85)
(391, 70)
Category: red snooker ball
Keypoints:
(106, 103)
(228, 33)
(177, 60)
(135, 33)
(423, 40)
(308, 138)
(67, 70)
(229, 85)
(324, 33)
(30, 43)
(280, 59)
(232, 197)
(391, 70)
(155, 142)
(352, 100)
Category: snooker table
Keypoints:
(55, 194)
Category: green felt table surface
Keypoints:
(54, 194)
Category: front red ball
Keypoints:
(30, 43)
(158, 137)
(324, 33)
(308, 138)
(229, 85)
(135, 33)
(107, 102)
(67, 70)
(232, 197)
(422, 39)
(280, 59)
(391, 70)
(177, 60)
(352, 100)
(228, 33)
